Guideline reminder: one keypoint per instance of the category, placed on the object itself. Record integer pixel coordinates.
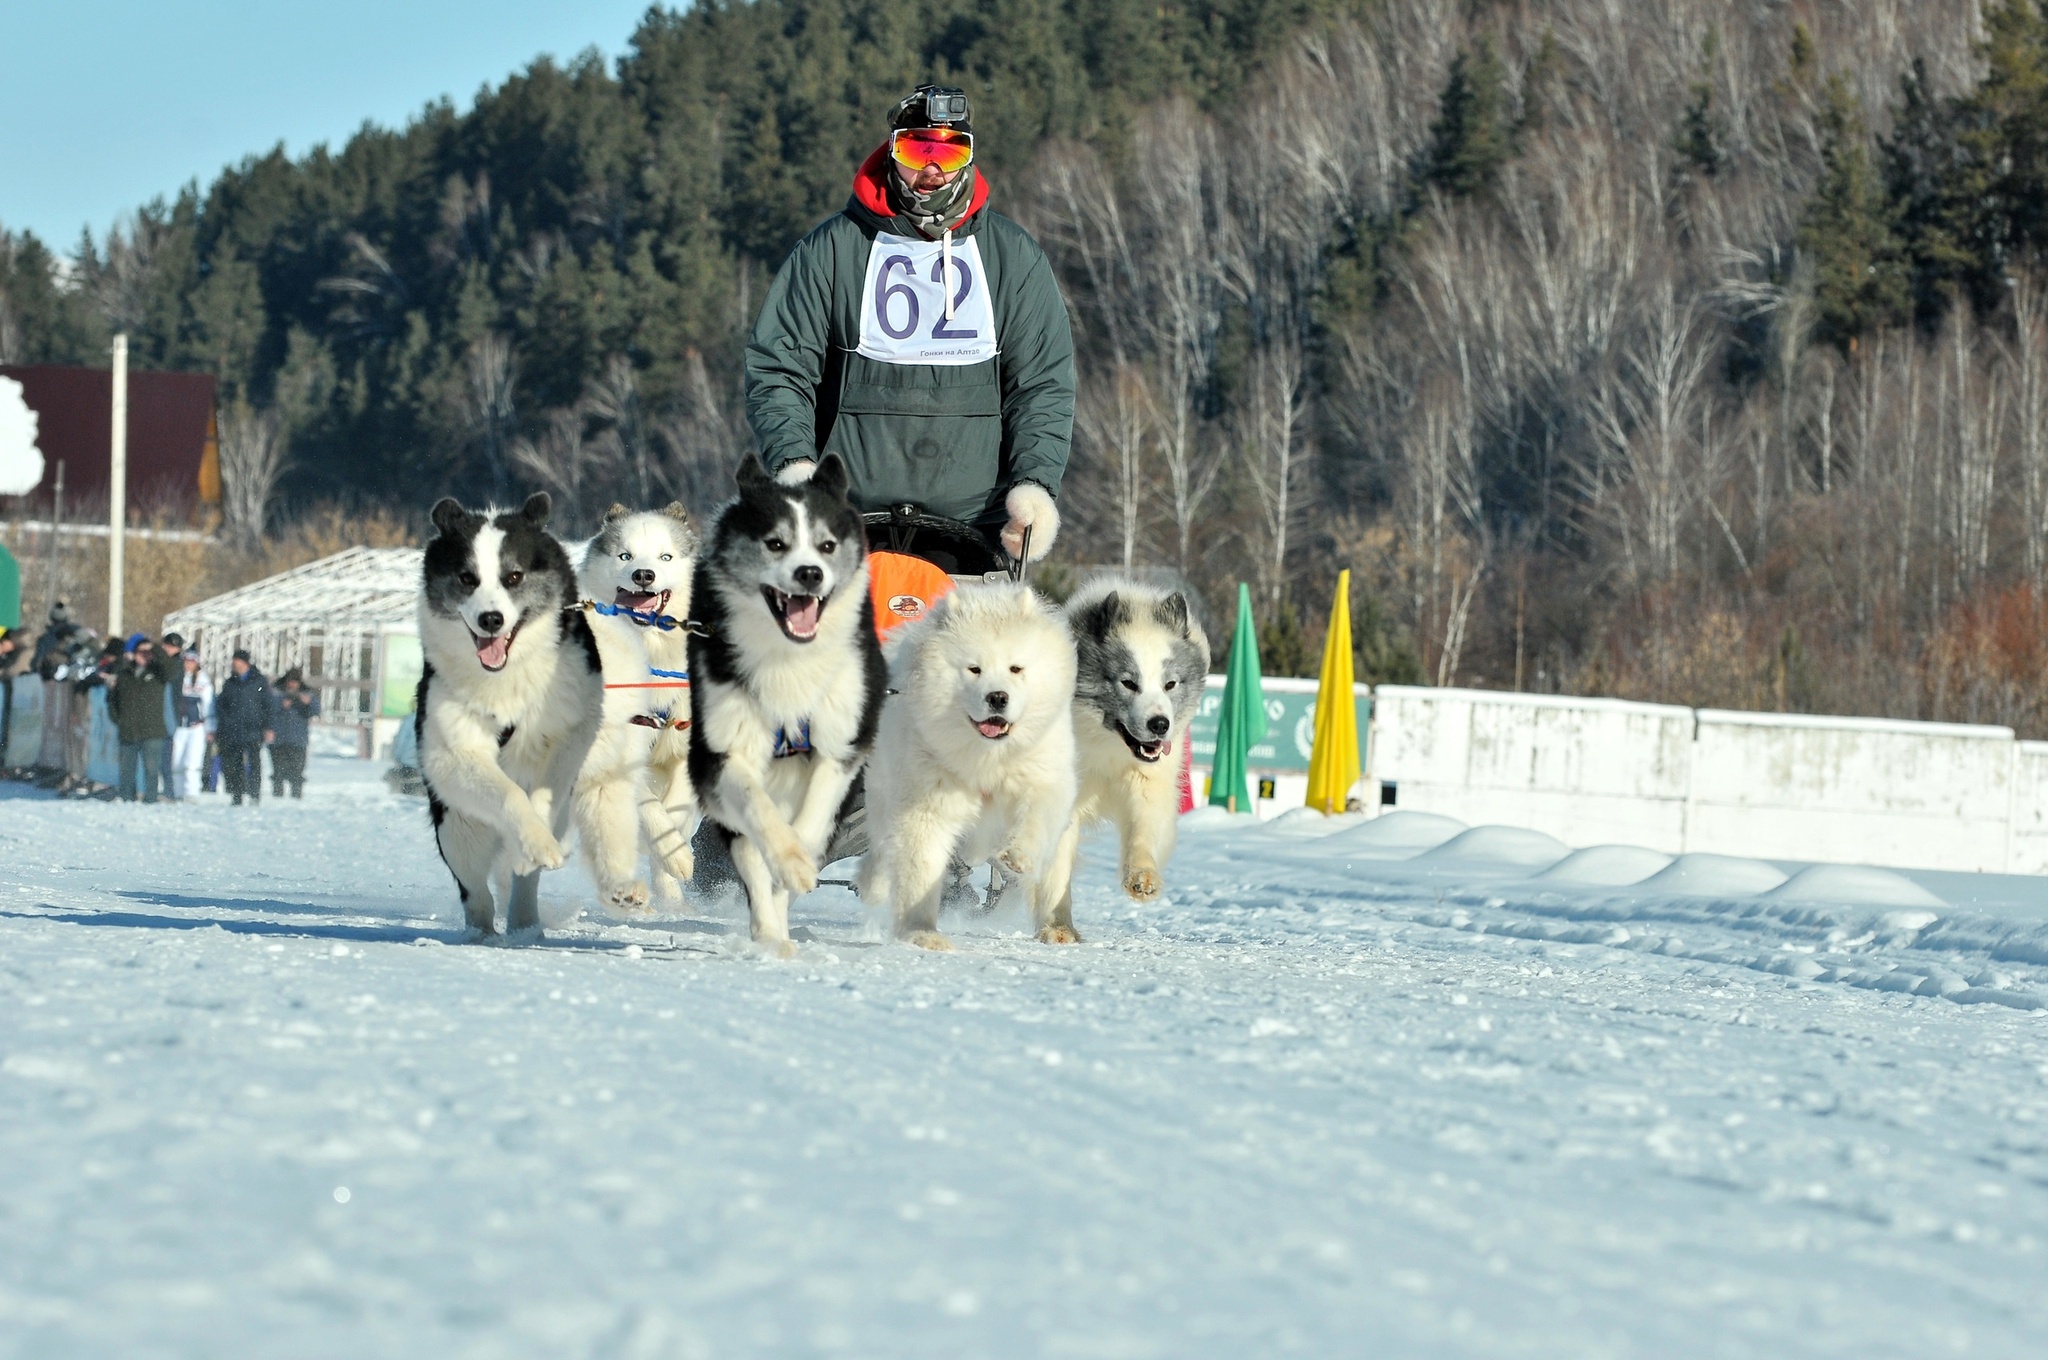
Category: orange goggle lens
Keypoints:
(915, 148)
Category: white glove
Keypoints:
(1030, 506)
(797, 471)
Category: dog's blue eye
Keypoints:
(625, 557)
(668, 557)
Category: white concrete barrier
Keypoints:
(1769, 785)
(1587, 771)
(1857, 790)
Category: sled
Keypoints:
(925, 557)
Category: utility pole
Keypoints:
(56, 553)
(117, 490)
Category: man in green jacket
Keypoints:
(923, 339)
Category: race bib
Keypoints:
(903, 304)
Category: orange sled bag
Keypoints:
(903, 588)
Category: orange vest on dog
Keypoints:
(903, 588)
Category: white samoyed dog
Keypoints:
(636, 576)
(974, 758)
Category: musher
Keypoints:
(922, 338)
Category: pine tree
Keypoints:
(1473, 133)
(1861, 281)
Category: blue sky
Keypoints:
(104, 106)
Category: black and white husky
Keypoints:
(787, 680)
(509, 701)
(635, 788)
(1142, 663)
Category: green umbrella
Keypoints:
(1242, 723)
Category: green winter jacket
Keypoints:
(950, 439)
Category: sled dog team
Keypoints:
(738, 681)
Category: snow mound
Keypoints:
(1397, 835)
(1514, 845)
(1858, 885)
(1607, 866)
(1702, 875)
(1306, 823)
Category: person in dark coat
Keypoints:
(243, 711)
(135, 701)
(291, 733)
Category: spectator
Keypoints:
(291, 733)
(89, 669)
(194, 700)
(242, 712)
(135, 701)
(52, 665)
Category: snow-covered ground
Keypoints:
(1370, 1092)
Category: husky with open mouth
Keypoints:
(636, 577)
(786, 680)
(975, 757)
(1143, 662)
(509, 702)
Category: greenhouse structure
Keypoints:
(347, 621)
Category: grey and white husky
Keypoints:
(509, 702)
(1142, 662)
(786, 680)
(636, 574)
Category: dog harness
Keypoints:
(800, 745)
(660, 719)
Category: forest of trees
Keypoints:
(1672, 349)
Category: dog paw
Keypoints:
(537, 849)
(795, 871)
(1143, 884)
(1015, 860)
(680, 863)
(1059, 935)
(929, 939)
(628, 899)
(777, 949)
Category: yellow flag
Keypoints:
(1333, 765)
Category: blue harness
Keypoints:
(800, 745)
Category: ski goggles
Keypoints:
(948, 150)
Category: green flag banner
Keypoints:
(1242, 721)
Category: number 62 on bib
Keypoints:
(903, 304)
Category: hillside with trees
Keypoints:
(1672, 350)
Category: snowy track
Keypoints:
(1323, 1101)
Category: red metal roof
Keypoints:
(170, 420)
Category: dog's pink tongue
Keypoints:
(992, 727)
(493, 651)
(643, 603)
(802, 614)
